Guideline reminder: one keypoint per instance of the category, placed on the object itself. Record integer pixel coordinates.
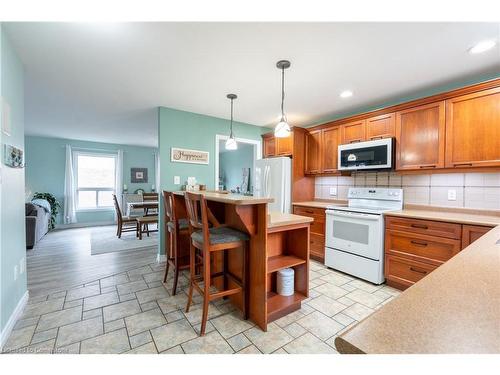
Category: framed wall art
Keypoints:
(138, 175)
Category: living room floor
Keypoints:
(62, 259)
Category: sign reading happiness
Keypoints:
(182, 155)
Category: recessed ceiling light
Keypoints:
(481, 47)
(346, 94)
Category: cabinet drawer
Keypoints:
(403, 273)
(308, 211)
(435, 250)
(428, 227)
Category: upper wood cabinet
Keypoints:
(330, 139)
(269, 146)
(473, 130)
(284, 146)
(353, 132)
(313, 152)
(420, 135)
(383, 126)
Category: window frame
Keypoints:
(77, 153)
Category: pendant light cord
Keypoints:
(231, 135)
(282, 91)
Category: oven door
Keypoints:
(356, 233)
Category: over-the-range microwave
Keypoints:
(376, 154)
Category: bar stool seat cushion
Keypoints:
(221, 235)
(183, 224)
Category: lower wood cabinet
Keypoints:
(317, 230)
(415, 247)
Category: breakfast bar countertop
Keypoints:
(455, 309)
(238, 199)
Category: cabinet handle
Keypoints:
(355, 141)
(420, 226)
(418, 243)
(378, 137)
(418, 271)
(309, 211)
(427, 166)
(462, 164)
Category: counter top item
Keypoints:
(320, 204)
(237, 199)
(279, 219)
(455, 309)
(461, 216)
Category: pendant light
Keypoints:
(231, 141)
(282, 129)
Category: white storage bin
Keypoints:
(285, 282)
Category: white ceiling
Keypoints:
(103, 82)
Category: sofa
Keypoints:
(37, 223)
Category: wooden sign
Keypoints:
(182, 155)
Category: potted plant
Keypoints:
(54, 206)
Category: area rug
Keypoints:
(104, 240)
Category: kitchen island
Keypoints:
(277, 241)
(455, 309)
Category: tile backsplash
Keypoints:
(472, 190)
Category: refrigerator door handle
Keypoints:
(267, 181)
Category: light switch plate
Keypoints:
(333, 191)
(177, 180)
(452, 195)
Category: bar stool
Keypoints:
(175, 228)
(209, 240)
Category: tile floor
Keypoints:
(133, 312)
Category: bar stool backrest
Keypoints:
(149, 197)
(196, 207)
(169, 205)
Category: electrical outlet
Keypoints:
(333, 191)
(22, 265)
(452, 195)
(177, 180)
(16, 272)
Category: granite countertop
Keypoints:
(461, 216)
(238, 199)
(278, 219)
(320, 204)
(455, 309)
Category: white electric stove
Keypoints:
(355, 234)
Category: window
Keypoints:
(95, 180)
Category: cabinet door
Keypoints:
(353, 132)
(383, 126)
(269, 147)
(473, 130)
(313, 154)
(329, 149)
(470, 233)
(284, 145)
(420, 137)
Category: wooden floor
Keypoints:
(62, 259)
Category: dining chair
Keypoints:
(210, 240)
(150, 197)
(124, 223)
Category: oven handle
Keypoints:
(353, 215)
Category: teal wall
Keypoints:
(231, 164)
(12, 222)
(192, 131)
(46, 159)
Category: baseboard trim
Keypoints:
(85, 225)
(160, 258)
(16, 314)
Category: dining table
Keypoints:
(145, 205)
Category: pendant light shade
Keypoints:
(231, 143)
(282, 129)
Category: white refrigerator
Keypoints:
(273, 178)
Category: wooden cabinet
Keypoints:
(473, 130)
(383, 126)
(313, 152)
(353, 132)
(284, 146)
(269, 146)
(420, 133)
(317, 235)
(415, 247)
(330, 139)
(470, 233)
